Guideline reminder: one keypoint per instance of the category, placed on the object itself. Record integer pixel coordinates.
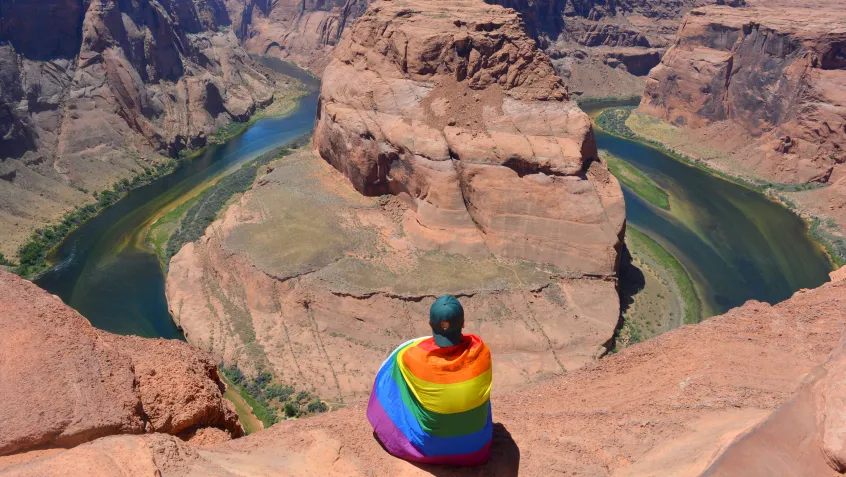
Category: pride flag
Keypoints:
(432, 405)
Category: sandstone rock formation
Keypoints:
(489, 189)
(309, 279)
(766, 80)
(602, 47)
(65, 383)
(664, 407)
(803, 437)
(450, 106)
(300, 31)
(94, 91)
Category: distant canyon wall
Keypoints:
(94, 91)
(301, 31)
(776, 75)
(605, 47)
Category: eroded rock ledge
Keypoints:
(65, 383)
(668, 406)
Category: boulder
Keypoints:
(65, 382)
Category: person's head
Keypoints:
(446, 317)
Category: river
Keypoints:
(107, 272)
(735, 243)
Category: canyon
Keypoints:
(758, 93)
(448, 156)
(425, 185)
(93, 92)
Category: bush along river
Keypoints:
(108, 271)
(733, 243)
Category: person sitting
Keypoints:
(431, 400)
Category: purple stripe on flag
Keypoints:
(397, 444)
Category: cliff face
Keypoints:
(604, 47)
(464, 120)
(65, 382)
(301, 31)
(774, 75)
(92, 91)
(668, 406)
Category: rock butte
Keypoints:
(664, 407)
(65, 382)
(453, 109)
(310, 277)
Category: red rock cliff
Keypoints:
(776, 75)
(301, 31)
(93, 91)
(451, 107)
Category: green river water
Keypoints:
(735, 243)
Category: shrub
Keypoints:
(316, 407)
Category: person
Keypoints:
(431, 400)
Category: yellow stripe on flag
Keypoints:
(447, 398)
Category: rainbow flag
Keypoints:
(432, 405)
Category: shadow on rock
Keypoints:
(505, 459)
(632, 280)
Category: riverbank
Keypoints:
(33, 255)
(186, 218)
(627, 123)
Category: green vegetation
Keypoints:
(245, 412)
(692, 304)
(271, 400)
(32, 255)
(613, 121)
(209, 204)
(637, 181)
(5, 261)
(835, 245)
(163, 228)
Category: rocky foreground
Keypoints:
(95, 91)
(460, 166)
(674, 405)
(65, 383)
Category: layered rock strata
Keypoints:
(768, 81)
(95, 91)
(468, 171)
(605, 48)
(664, 407)
(65, 383)
(452, 108)
(307, 278)
(300, 31)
